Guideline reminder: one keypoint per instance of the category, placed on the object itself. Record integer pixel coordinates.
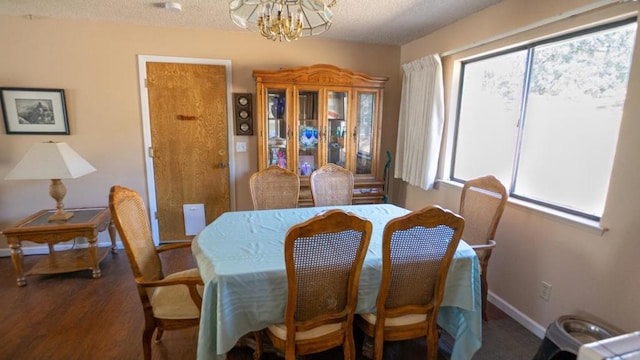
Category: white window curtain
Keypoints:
(421, 122)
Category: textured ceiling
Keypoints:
(393, 22)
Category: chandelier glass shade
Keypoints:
(283, 19)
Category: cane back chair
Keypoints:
(417, 250)
(323, 258)
(481, 204)
(274, 188)
(169, 302)
(331, 185)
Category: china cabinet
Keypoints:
(310, 116)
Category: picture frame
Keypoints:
(34, 111)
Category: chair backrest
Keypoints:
(331, 185)
(130, 218)
(417, 250)
(274, 188)
(481, 204)
(323, 258)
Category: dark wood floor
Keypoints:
(72, 316)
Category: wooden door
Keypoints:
(188, 120)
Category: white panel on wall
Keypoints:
(193, 218)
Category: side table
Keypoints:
(86, 222)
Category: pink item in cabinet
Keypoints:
(282, 161)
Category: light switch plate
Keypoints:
(241, 146)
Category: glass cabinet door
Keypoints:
(308, 128)
(277, 128)
(364, 132)
(337, 132)
(310, 116)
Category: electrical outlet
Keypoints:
(545, 291)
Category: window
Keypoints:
(544, 118)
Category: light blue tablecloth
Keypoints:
(241, 260)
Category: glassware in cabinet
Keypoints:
(337, 109)
(308, 131)
(277, 128)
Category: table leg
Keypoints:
(112, 235)
(16, 258)
(93, 253)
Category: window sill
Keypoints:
(590, 225)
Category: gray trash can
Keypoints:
(564, 337)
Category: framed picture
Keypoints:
(34, 111)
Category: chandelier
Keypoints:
(283, 19)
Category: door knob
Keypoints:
(222, 165)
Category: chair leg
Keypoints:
(257, 353)
(159, 334)
(378, 347)
(349, 347)
(147, 335)
(484, 290)
(432, 344)
(290, 350)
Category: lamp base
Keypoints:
(57, 190)
(60, 216)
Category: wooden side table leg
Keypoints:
(112, 235)
(16, 258)
(93, 253)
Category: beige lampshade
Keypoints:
(50, 160)
(54, 161)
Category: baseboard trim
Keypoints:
(516, 315)
(44, 249)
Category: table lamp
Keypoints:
(55, 161)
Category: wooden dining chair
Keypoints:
(417, 250)
(169, 301)
(274, 188)
(323, 259)
(481, 204)
(331, 185)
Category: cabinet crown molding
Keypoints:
(321, 73)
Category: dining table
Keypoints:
(240, 256)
